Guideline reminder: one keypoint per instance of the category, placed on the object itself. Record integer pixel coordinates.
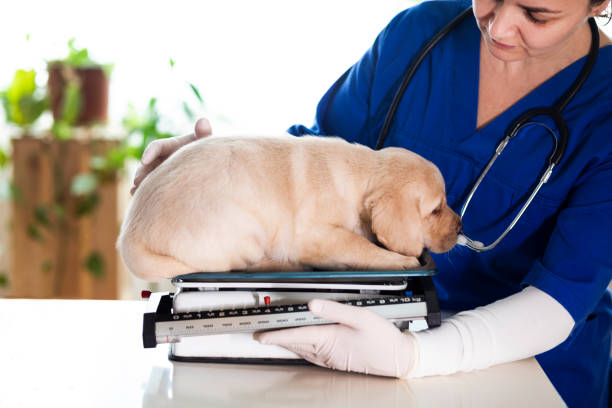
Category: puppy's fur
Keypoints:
(227, 203)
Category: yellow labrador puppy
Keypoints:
(228, 203)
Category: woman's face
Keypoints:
(513, 30)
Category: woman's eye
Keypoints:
(533, 19)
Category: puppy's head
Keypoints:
(407, 207)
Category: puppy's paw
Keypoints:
(411, 263)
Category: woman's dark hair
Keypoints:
(606, 13)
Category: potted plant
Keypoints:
(65, 212)
(77, 90)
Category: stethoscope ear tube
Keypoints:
(409, 73)
(559, 150)
(586, 69)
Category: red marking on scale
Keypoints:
(267, 300)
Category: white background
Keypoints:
(263, 65)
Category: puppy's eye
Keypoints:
(437, 211)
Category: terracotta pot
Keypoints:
(94, 92)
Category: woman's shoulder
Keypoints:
(413, 27)
(594, 99)
(428, 15)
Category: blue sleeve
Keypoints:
(354, 107)
(577, 265)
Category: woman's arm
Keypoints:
(520, 326)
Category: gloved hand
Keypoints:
(159, 150)
(362, 342)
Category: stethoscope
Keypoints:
(526, 119)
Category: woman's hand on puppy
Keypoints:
(362, 341)
(159, 150)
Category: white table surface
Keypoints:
(81, 353)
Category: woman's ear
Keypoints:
(599, 10)
(396, 223)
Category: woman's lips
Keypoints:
(501, 45)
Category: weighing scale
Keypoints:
(211, 317)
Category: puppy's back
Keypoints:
(213, 190)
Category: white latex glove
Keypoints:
(159, 150)
(362, 342)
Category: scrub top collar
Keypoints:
(465, 92)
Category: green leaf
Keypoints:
(46, 266)
(78, 57)
(171, 63)
(196, 93)
(62, 130)
(71, 102)
(4, 158)
(95, 264)
(23, 101)
(41, 216)
(15, 193)
(87, 204)
(108, 69)
(83, 184)
(188, 111)
(34, 233)
(24, 83)
(115, 159)
(59, 211)
(4, 282)
(31, 108)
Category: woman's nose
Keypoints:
(502, 24)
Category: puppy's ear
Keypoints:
(396, 222)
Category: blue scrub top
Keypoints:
(562, 244)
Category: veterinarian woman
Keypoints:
(542, 290)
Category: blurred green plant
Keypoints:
(142, 128)
(79, 58)
(95, 264)
(4, 159)
(24, 101)
(3, 280)
(3, 274)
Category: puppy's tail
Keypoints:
(148, 265)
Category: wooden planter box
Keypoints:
(50, 261)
